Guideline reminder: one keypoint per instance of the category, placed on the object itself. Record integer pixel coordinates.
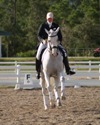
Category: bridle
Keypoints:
(53, 35)
(52, 47)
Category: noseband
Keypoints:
(54, 47)
(53, 35)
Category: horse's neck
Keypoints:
(48, 47)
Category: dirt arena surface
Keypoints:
(25, 107)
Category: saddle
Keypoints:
(42, 53)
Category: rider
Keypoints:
(42, 37)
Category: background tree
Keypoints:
(79, 21)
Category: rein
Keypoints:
(55, 47)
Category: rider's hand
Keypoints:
(44, 41)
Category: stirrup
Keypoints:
(71, 72)
(38, 76)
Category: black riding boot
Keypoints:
(66, 62)
(38, 68)
(38, 65)
(67, 68)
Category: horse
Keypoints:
(52, 66)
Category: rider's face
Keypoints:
(50, 20)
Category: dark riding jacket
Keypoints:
(42, 34)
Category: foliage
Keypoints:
(27, 59)
(79, 21)
(30, 53)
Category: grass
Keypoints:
(9, 59)
(6, 87)
(17, 59)
(84, 58)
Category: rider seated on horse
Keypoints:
(42, 37)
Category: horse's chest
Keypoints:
(53, 66)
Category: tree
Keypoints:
(78, 20)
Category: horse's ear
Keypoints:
(57, 29)
(46, 31)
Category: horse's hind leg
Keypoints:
(62, 81)
(42, 83)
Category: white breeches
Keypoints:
(41, 47)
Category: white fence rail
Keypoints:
(13, 73)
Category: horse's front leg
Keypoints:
(56, 91)
(47, 80)
(62, 82)
(42, 83)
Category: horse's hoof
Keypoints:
(52, 105)
(59, 104)
(63, 98)
(46, 107)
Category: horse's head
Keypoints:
(53, 41)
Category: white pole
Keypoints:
(0, 48)
(89, 66)
(88, 77)
(99, 71)
(18, 86)
(18, 74)
(16, 66)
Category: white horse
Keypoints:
(52, 66)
